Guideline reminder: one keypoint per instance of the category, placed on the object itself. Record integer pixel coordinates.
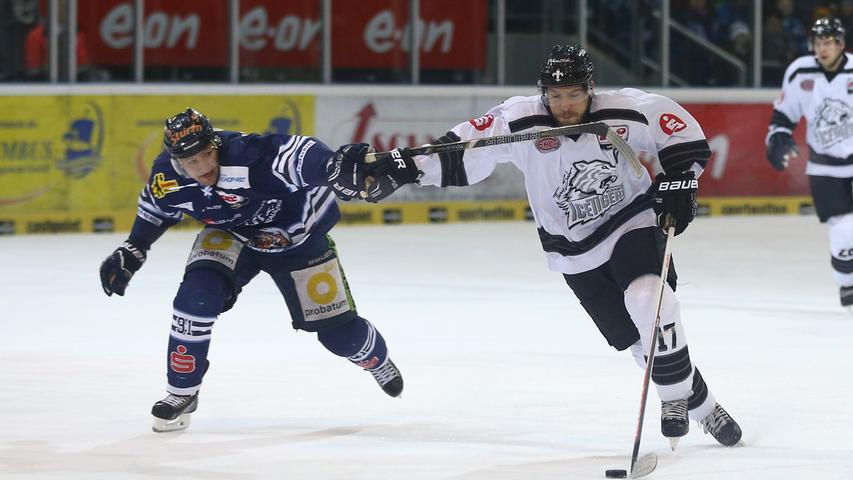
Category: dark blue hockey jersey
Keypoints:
(272, 193)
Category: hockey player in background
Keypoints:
(818, 87)
(597, 216)
(268, 203)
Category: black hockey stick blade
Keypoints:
(644, 465)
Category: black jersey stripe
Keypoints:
(673, 368)
(829, 75)
(617, 114)
(700, 391)
(779, 119)
(803, 70)
(680, 157)
(842, 266)
(564, 246)
(822, 159)
(531, 121)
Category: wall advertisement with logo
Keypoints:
(738, 179)
(366, 34)
(77, 163)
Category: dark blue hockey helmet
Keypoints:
(566, 65)
(828, 27)
(188, 133)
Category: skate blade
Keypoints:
(645, 465)
(673, 442)
(180, 423)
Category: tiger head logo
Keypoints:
(833, 112)
(588, 190)
(834, 122)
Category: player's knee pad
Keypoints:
(641, 298)
(357, 340)
(203, 293)
(841, 247)
(639, 354)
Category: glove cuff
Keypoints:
(774, 129)
(137, 252)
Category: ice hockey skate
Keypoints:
(846, 295)
(722, 426)
(173, 412)
(674, 423)
(388, 377)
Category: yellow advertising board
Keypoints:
(71, 162)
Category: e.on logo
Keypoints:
(670, 123)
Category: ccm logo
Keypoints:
(670, 123)
(679, 185)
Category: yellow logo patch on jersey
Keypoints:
(160, 186)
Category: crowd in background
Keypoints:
(723, 25)
(729, 24)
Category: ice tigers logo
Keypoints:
(588, 191)
(834, 122)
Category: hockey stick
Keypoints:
(598, 128)
(648, 462)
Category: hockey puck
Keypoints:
(615, 473)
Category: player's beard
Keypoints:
(568, 118)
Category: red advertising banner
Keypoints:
(365, 34)
(738, 165)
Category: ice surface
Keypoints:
(506, 378)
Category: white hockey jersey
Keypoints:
(583, 197)
(824, 99)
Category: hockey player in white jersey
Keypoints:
(597, 215)
(819, 87)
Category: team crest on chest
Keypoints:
(588, 191)
(547, 144)
(834, 122)
(232, 199)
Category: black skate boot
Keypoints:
(846, 295)
(674, 423)
(389, 378)
(173, 412)
(722, 426)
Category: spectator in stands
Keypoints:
(36, 51)
(794, 30)
(17, 17)
(774, 50)
(690, 59)
(740, 40)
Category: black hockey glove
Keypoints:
(119, 267)
(390, 172)
(346, 171)
(675, 196)
(780, 149)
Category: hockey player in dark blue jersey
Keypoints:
(268, 202)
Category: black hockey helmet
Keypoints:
(188, 133)
(566, 65)
(828, 27)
